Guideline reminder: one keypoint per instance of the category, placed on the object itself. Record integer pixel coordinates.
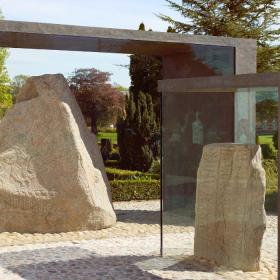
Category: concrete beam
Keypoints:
(219, 83)
(17, 34)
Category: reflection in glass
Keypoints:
(245, 116)
(192, 120)
(266, 111)
(220, 59)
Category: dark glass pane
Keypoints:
(192, 120)
(266, 112)
(219, 59)
(189, 121)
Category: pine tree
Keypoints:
(257, 19)
(141, 26)
(136, 133)
(145, 71)
(139, 133)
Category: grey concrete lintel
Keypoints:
(18, 34)
(219, 83)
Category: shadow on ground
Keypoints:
(72, 263)
(76, 263)
(138, 216)
(179, 217)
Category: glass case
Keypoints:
(197, 112)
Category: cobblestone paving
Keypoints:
(130, 250)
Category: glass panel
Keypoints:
(266, 111)
(255, 113)
(192, 120)
(218, 58)
(245, 116)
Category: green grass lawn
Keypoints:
(266, 139)
(108, 135)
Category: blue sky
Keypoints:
(126, 14)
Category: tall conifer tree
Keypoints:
(136, 133)
(257, 19)
(145, 71)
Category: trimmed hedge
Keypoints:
(114, 155)
(121, 174)
(270, 167)
(126, 190)
(112, 163)
(268, 151)
(108, 130)
(271, 200)
(155, 168)
(275, 140)
(134, 185)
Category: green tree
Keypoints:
(257, 19)
(275, 140)
(99, 101)
(266, 109)
(136, 133)
(145, 71)
(6, 99)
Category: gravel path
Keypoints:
(129, 250)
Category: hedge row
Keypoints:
(268, 151)
(120, 174)
(112, 163)
(125, 190)
(133, 185)
(271, 200)
(270, 167)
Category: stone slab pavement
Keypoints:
(129, 250)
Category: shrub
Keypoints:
(271, 200)
(155, 168)
(144, 158)
(114, 155)
(107, 130)
(270, 167)
(106, 148)
(137, 133)
(121, 174)
(125, 190)
(268, 151)
(112, 163)
(275, 140)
